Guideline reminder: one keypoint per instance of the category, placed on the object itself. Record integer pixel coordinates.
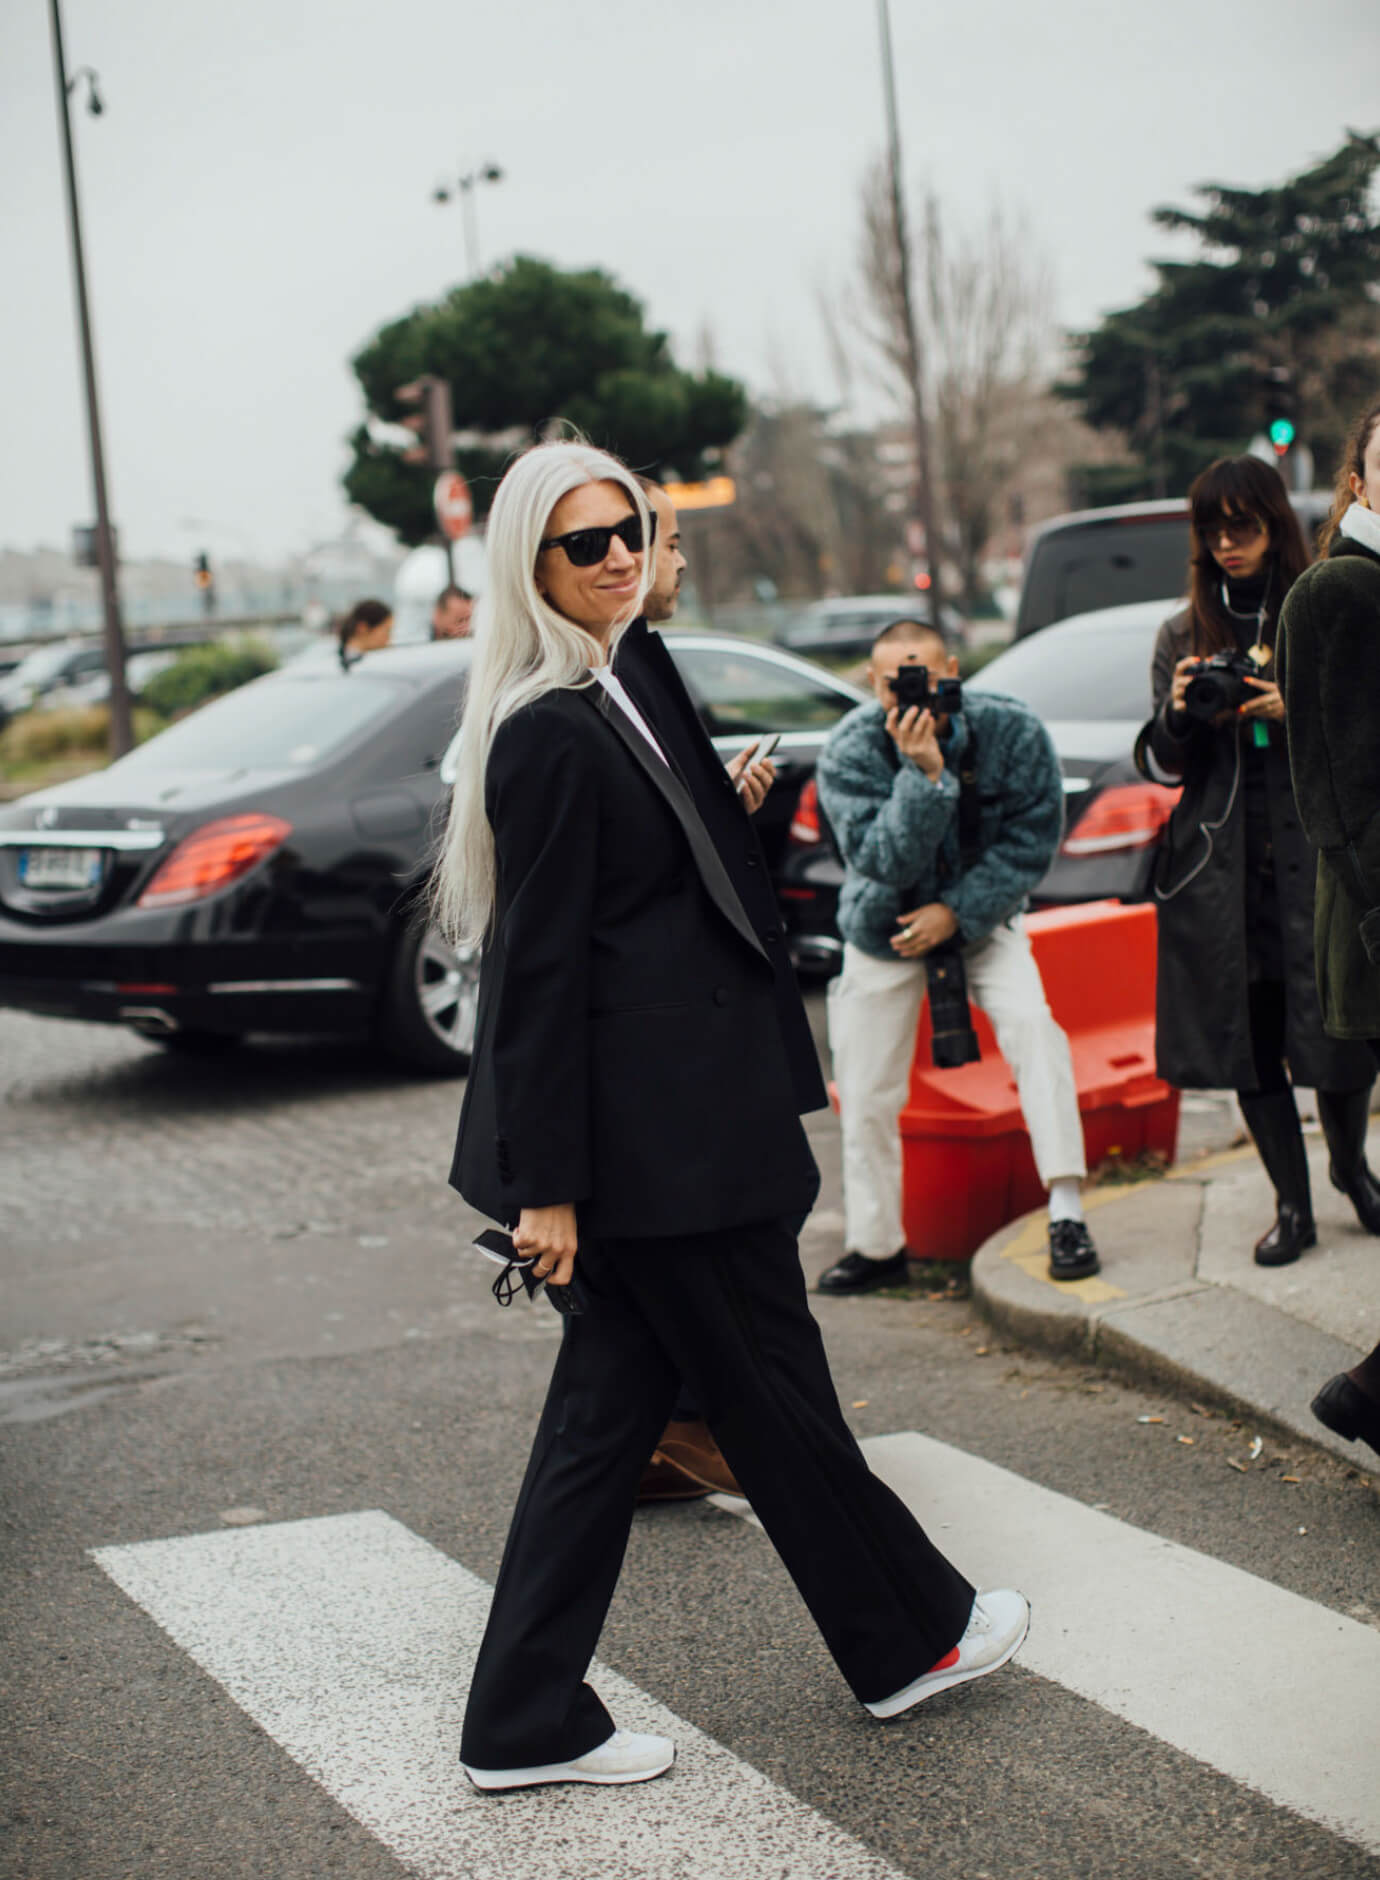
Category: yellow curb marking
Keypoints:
(1027, 1249)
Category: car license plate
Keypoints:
(60, 868)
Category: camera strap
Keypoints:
(969, 805)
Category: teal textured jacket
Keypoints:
(898, 832)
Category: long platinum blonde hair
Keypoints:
(523, 648)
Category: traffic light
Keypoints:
(431, 420)
(1282, 435)
(205, 581)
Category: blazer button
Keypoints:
(751, 859)
(772, 935)
(721, 995)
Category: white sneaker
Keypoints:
(995, 1633)
(625, 1757)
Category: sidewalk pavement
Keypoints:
(1180, 1299)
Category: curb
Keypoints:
(1165, 1325)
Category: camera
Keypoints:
(954, 1041)
(1219, 685)
(914, 686)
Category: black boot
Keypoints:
(1273, 1120)
(1344, 1115)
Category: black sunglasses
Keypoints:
(1238, 529)
(586, 548)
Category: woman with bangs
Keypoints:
(1236, 1002)
(632, 1115)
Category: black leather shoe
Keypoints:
(1292, 1232)
(855, 1273)
(1345, 1409)
(1072, 1254)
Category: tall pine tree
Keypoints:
(1278, 318)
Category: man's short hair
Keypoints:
(908, 628)
(452, 593)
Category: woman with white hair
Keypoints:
(632, 1115)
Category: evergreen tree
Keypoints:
(523, 348)
(1278, 318)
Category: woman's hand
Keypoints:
(752, 780)
(549, 1234)
(1183, 672)
(1269, 703)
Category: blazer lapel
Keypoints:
(711, 869)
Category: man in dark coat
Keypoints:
(1329, 662)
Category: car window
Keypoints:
(1078, 570)
(1103, 673)
(745, 691)
(273, 724)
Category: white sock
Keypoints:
(1066, 1199)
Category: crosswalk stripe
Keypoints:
(1278, 1693)
(349, 1639)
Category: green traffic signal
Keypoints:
(1281, 435)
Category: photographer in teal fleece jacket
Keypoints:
(889, 784)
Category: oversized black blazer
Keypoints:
(647, 669)
(628, 1053)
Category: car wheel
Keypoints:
(432, 1002)
(190, 1043)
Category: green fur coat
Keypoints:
(1328, 655)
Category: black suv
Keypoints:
(1099, 558)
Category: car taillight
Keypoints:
(805, 823)
(1128, 816)
(214, 856)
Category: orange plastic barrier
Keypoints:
(967, 1165)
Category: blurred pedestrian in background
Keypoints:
(451, 616)
(1237, 1003)
(1329, 659)
(632, 1113)
(367, 628)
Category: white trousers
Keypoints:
(874, 1010)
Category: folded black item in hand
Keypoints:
(518, 1270)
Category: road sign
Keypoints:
(454, 510)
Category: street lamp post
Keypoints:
(915, 362)
(465, 187)
(121, 720)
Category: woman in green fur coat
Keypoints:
(1328, 658)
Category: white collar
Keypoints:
(1363, 526)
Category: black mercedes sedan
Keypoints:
(261, 865)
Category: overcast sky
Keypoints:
(257, 194)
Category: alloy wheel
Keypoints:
(446, 985)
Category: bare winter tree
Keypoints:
(982, 304)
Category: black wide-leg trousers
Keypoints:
(727, 1313)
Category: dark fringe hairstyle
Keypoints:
(1353, 464)
(1239, 486)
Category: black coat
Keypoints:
(1330, 673)
(1202, 1023)
(629, 1056)
(652, 678)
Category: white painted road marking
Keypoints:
(350, 1641)
(1278, 1693)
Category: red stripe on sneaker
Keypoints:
(946, 1663)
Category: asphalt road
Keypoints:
(237, 1294)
